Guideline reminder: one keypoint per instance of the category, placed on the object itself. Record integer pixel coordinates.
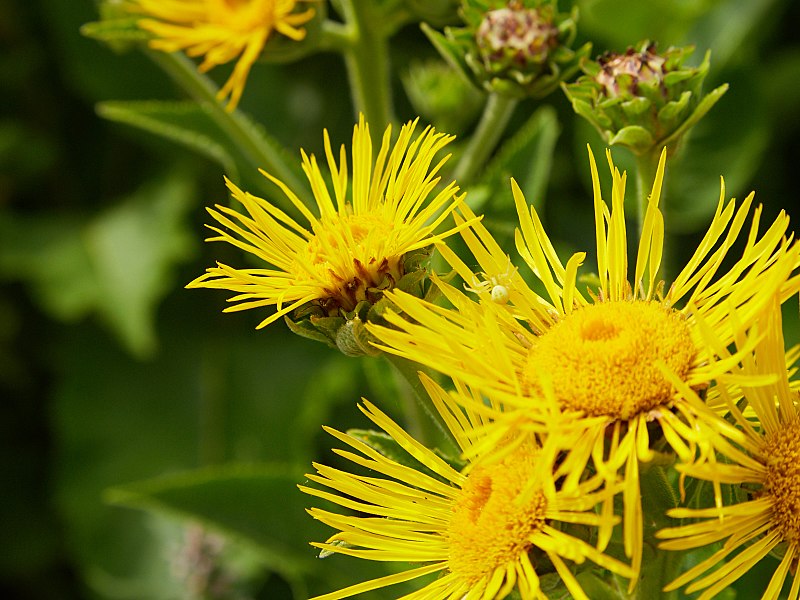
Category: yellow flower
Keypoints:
(604, 354)
(220, 31)
(764, 460)
(355, 248)
(486, 530)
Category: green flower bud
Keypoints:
(441, 96)
(642, 99)
(519, 48)
(516, 37)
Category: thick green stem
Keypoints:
(496, 114)
(367, 61)
(257, 149)
(426, 418)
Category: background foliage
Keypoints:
(122, 391)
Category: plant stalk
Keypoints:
(258, 150)
(367, 61)
(495, 117)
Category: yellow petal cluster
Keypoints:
(352, 249)
(221, 31)
(623, 356)
(484, 529)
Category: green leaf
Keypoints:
(118, 264)
(132, 250)
(48, 254)
(115, 30)
(187, 123)
(258, 503)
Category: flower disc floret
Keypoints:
(603, 359)
(365, 277)
(782, 480)
(494, 517)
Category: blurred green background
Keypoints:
(111, 373)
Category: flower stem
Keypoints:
(496, 114)
(431, 427)
(259, 150)
(367, 61)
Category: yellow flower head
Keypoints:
(604, 355)
(764, 461)
(220, 31)
(486, 530)
(355, 248)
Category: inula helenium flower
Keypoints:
(221, 31)
(516, 48)
(370, 234)
(602, 353)
(487, 530)
(761, 467)
(643, 99)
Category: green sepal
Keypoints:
(309, 330)
(634, 137)
(658, 495)
(459, 47)
(671, 112)
(705, 105)
(666, 98)
(597, 587)
(635, 107)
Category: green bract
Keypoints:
(519, 48)
(642, 99)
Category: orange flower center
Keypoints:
(603, 359)
(495, 516)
